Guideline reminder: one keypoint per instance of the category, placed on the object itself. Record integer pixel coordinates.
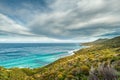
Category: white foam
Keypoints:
(72, 52)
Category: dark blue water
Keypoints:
(33, 55)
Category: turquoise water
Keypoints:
(33, 55)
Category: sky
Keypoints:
(58, 20)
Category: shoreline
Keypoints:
(73, 51)
(69, 53)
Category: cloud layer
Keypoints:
(78, 18)
(9, 27)
(62, 19)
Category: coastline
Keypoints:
(67, 53)
(73, 51)
(82, 47)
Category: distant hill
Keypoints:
(95, 42)
(114, 42)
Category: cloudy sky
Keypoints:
(58, 20)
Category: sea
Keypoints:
(34, 55)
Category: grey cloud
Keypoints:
(23, 10)
(9, 27)
(88, 20)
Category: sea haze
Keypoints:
(33, 55)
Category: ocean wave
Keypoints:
(72, 52)
(39, 55)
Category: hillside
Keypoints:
(101, 61)
(95, 42)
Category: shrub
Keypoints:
(85, 69)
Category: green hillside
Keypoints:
(100, 61)
(99, 41)
(106, 43)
